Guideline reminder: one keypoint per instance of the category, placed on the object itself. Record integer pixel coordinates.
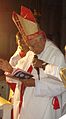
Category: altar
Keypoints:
(5, 109)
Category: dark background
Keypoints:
(52, 20)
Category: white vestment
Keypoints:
(37, 101)
(15, 58)
(23, 63)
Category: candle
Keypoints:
(65, 52)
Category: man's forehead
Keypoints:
(35, 38)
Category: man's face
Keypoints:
(36, 44)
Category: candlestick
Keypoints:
(65, 53)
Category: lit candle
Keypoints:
(65, 52)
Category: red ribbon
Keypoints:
(30, 69)
(55, 103)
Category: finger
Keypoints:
(1, 59)
(1, 62)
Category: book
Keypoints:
(21, 74)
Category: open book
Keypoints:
(21, 74)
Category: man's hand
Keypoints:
(5, 66)
(37, 63)
(28, 82)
